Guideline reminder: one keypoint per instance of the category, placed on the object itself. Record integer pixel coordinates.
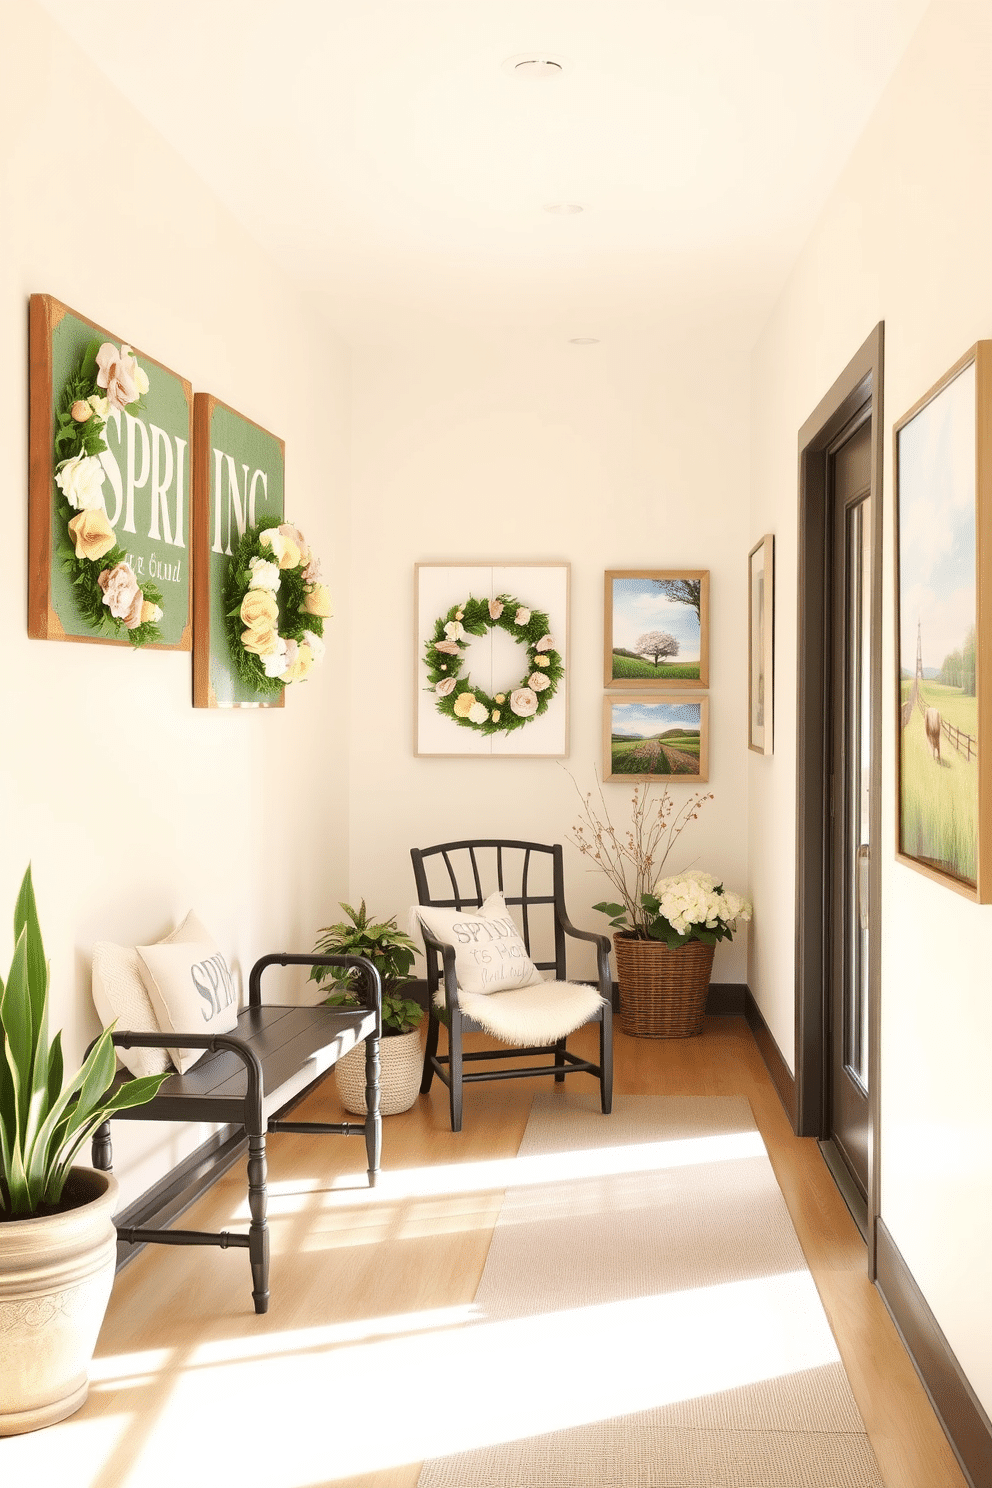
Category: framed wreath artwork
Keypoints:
(259, 605)
(108, 526)
(491, 664)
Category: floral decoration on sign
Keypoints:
(108, 594)
(467, 704)
(275, 607)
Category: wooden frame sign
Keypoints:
(943, 546)
(109, 484)
(238, 484)
(656, 628)
(656, 737)
(761, 654)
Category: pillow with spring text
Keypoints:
(489, 953)
(191, 991)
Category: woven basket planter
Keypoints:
(662, 992)
(401, 1061)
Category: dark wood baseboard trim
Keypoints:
(782, 1077)
(959, 1410)
(159, 1205)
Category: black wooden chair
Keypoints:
(460, 876)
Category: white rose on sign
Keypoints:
(264, 575)
(81, 482)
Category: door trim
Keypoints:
(858, 384)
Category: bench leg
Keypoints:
(373, 1118)
(258, 1233)
(103, 1152)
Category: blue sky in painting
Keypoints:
(639, 606)
(647, 719)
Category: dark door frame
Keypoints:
(859, 384)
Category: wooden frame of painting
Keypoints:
(656, 630)
(655, 736)
(761, 645)
(493, 660)
(943, 553)
(239, 480)
(144, 475)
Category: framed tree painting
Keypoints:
(656, 628)
(761, 629)
(491, 659)
(109, 485)
(656, 737)
(943, 542)
(238, 490)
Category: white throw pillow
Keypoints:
(121, 996)
(489, 953)
(191, 990)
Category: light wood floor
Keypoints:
(351, 1274)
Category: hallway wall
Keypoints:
(906, 238)
(131, 806)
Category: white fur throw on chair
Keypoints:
(539, 1014)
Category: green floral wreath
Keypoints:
(468, 705)
(274, 607)
(108, 596)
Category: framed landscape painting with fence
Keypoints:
(656, 629)
(653, 737)
(943, 474)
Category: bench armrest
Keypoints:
(370, 983)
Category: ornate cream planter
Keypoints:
(401, 1059)
(56, 1273)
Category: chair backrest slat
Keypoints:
(475, 874)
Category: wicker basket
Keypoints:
(662, 992)
(401, 1066)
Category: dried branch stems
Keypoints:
(633, 859)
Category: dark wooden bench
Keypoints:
(251, 1078)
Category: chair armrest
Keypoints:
(371, 980)
(447, 953)
(602, 944)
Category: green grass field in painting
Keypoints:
(940, 801)
(629, 667)
(678, 755)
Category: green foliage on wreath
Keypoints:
(72, 439)
(293, 621)
(476, 620)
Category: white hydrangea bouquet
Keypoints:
(676, 909)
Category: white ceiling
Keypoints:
(381, 153)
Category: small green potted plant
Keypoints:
(58, 1245)
(392, 954)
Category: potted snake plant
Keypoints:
(401, 1057)
(58, 1245)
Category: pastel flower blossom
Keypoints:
(445, 686)
(316, 645)
(695, 898)
(120, 591)
(546, 643)
(522, 617)
(500, 697)
(459, 614)
(299, 667)
(98, 405)
(464, 703)
(264, 575)
(523, 701)
(296, 536)
(275, 663)
(118, 374)
(81, 411)
(285, 550)
(455, 630)
(81, 482)
(449, 648)
(538, 681)
(150, 612)
(259, 607)
(495, 609)
(543, 661)
(478, 714)
(91, 533)
(317, 601)
(495, 715)
(261, 640)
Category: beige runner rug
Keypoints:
(649, 1315)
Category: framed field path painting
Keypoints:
(238, 485)
(943, 475)
(654, 737)
(491, 660)
(656, 628)
(109, 483)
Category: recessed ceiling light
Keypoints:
(535, 66)
(564, 209)
(583, 340)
